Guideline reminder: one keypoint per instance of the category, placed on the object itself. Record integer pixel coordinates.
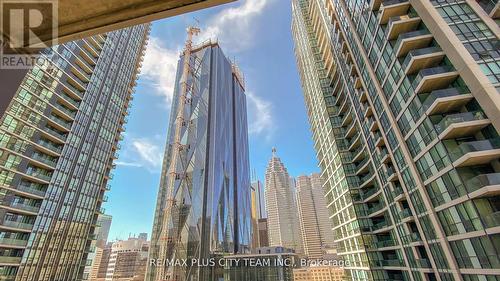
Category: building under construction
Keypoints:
(203, 205)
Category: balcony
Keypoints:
(54, 135)
(461, 124)
(411, 238)
(423, 263)
(485, 185)
(384, 156)
(24, 207)
(81, 75)
(52, 148)
(87, 46)
(12, 243)
(491, 220)
(392, 8)
(412, 40)
(350, 130)
(373, 124)
(491, 7)
(422, 58)
(371, 194)
(358, 154)
(344, 105)
(31, 189)
(59, 123)
(50, 163)
(367, 110)
(387, 263)
(430, 79)
(401, 24)
(367, 180)
(474, 152)
(10, 260)
(354, 142)
(64, 112)
(362, 95)
(347, 119)
(18, 225)
(390, 174)
(405, 213)
(45, 178)
(378, 139)
(445, 100)
(88, 57)
(363, 166)
(84, 65)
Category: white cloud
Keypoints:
(234, 27)
(149, 153)
(159, 68)
(142, 153)
(260, 118)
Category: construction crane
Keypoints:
(177, 147)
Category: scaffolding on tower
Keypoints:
(173, 213)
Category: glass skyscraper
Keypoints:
(203, 207)
(404, 105)
(58, 139)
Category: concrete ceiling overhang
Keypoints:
(77, 19)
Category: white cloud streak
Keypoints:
(159, 68)
(142, 153)
(235, 26)
(260, 118)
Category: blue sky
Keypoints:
(257, 34)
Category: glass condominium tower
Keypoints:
(58, 139)
(404, 106)
(203, 208)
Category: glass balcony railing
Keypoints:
(25, 207)
(39, 174)
(13, 242)
(68, 112)
(31, 188)
(419, 52)
(407, 35)
(423, 263)
(442, 93)
(61, 122)
(411, 238)
(429, 72)
(406, 213)
(16, 224)
(46, 144)
(481, 181)
(387, 262)
(458, 118)
(55, 133)
(362, 163)
(491, 220)
(385, 243)
(44, 159)
(10, 260)
(473, 146)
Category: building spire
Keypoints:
(274, 152)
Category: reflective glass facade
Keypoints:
(58, 139)
(404, 106)
(210, 197)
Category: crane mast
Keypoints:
(177, 147)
